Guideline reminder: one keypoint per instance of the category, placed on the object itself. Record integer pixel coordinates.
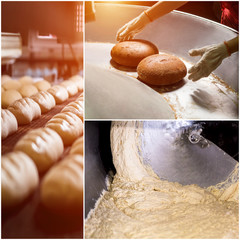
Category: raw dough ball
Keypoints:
(60, 93)
(75, 107)
(130, 53)
(68, 125)
(25, 110)
(11, 84)
(71, 87)
(78, 81)
(62, 186)
(19, 178)
(161, 69)
(43, 145)
(9, 97)
(42, 85)
(77, 147)
(9, 123)
(45, 100)
(28, 90)
(25, 80)
(5, 78)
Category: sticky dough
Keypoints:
(140, 205)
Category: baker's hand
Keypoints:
(211, 58)
(129, 30)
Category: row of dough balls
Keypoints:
(27, 109)
(13, 90)
(39, 150)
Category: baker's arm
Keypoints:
(211, 57)
(129, 30)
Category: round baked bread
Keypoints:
(130, 53)
(59, 93)
(28, 90)
(43, 145)
(77, 147)
(11, 84)
(45, 100)
(62, 186)
(25, 110)
(78, 81)
(9, 123)
(161, 69)
(76, 108)
(9, 97)
(19, 178)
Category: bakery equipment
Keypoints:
(176, 150)
(51, 35)
(174, 33)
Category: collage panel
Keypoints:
(42, 112)
(161, 179)
(155, 63)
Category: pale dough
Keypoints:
(140, 205)
(45, 100)
(77, 147)
(76, 108)
(68, 125)
(28, 90)
(25, 110)
(78, 81)
(19, 178)
(60, 93)
(9, 123)
(43, 145)
(42, 85)
(11, 84)
(62, 186)
(9, 97)
(71, 87)
(25, 80)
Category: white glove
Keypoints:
(129, 30)
(212, 57)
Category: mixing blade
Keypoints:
(177, 156)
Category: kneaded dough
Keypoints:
(62, 186)
(45, 100)
(76, 108)
(9, 123)
(71, 87)
(19, 178)
(77, 147)
(43, 145)
(25, 80)
(78, 81)
(28, 90)
(60, 93)
(139, 205)
(11, 84)
(68, 125)
(42, 85)
(9, 97)
(25, 110)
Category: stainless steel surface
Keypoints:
(167, 148)
(175, 32)
(110, 96)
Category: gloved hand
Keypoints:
(129, 30)
(212, 57)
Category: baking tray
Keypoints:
(31, 219)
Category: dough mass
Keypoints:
(140, 205)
